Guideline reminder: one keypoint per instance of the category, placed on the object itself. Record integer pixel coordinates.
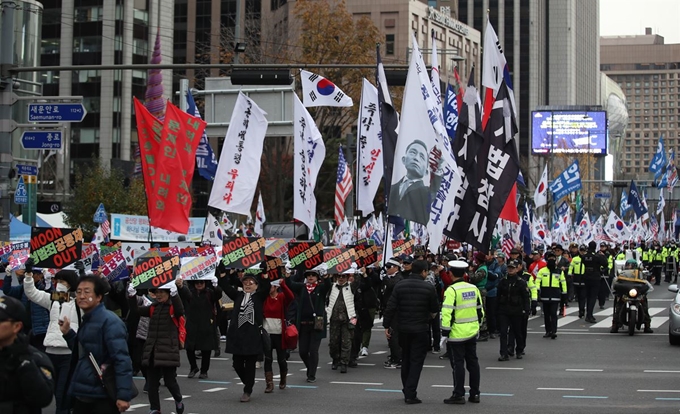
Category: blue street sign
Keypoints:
(603, 195)
(56, 112)
(27, 169)
(100, 214)
(21, 195)
(37, 140)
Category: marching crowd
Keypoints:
(79, 338)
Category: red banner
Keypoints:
(149, 130)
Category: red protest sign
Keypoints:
(366, 254)
(55, 248)
(338, 259)
(149, 130)
(305, 255)
(242, 252)
(152, 271)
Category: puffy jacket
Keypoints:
(40, 317)
(54, 340)
(412, 304)
(594, 265)
(104, 335)
(163, 336)
(388, 286)
(200, 317)
(513, 296)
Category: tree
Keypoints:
(96, 184)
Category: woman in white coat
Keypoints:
(61, 302)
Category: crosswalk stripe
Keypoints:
(565, 320)
(606, 323)
(214, 389)
(658, 321)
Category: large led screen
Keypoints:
(569, 132)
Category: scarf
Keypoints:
(246, 312)
(311, 286)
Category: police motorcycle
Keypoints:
(630, 289)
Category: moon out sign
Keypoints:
(55, 248)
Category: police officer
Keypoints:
(513, 305)
(594, 264)
(25, 372)
(462, 314)
(656, 259)
(577, 270)
(605, 280)
(553, 287)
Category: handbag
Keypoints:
(266, 340)
(291, 336)
(107, 376)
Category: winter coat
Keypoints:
(347, 297)
(40, 317)
(388, 286)
(411, 306)
(54, 340)
(274, 312)
(245, 339)
(163, 337)
(104, 335)
(307, 304)
(28, 388)
(200, 317)
(143, 323)
(513, 296)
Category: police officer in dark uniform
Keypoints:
(26, 384)
(594, 263)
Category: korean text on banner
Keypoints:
(366, 254)
(153, 271)
(338, 259)
(240, 161)
(403, 247)
(136, 228)
(198, 268)
(305, 255)
(114, 266)
(242, 252)
(274, 267)
(55, 248)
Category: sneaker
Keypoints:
(192, 373)
(436, 351)
(223, 338)
(444, 356)
(648, 330)
(154, 412)
(311, 379)
(474, 399)
(364, 351)
(503, 358)
(179, 406)
(455, 400)
(203, 375)
(258, 365)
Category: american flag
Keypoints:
(507, 244)
(343, 186)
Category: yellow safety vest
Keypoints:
(459, 311)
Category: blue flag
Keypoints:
(624, 207)
(656, 166)
(451, 112)
(567, 182)
(525, 232)
(635, 200)
(205, 157)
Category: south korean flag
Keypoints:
(319, 91)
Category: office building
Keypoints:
(648, 72)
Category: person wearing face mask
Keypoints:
(553, 288)
(36, 325)
(61, 303)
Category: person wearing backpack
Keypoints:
(161, 349)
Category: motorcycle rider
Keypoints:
(630, 278)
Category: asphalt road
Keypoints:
(585, 370)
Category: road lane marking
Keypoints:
(219, 359)
(214, 389)
(659, 300)
(505, 368)
(133, 407)
(487, 394)
(434, 366)
(667, 399)
(583, 370)
(660, 371)
(356, 383)
(657, 321)
(381, 390)
(594, 397)
(378, 352)
(302, 386)
(183, 397)
(664, 391)
(560, 389)
(565, 320)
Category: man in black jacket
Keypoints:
(594, 265)
(25, 373)
(414, 303)
(393, 276)
(513, 304)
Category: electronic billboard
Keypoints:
(569, 132)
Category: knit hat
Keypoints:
(480, 257)
(68, 276)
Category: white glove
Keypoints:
(214, 281)
(354, 267)
(173, 290)
(47, 274)
(131, 290)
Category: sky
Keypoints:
(630, 17)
